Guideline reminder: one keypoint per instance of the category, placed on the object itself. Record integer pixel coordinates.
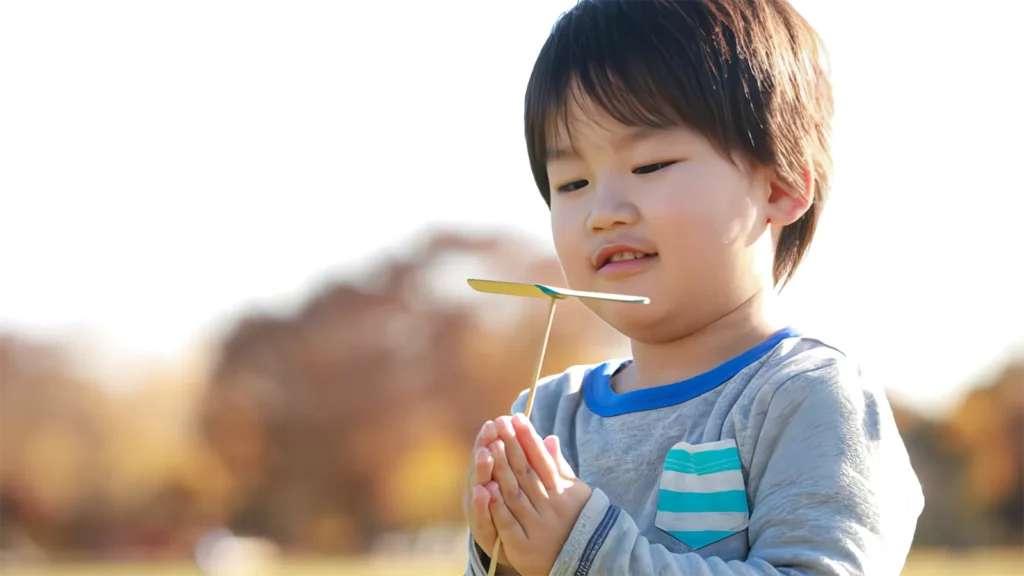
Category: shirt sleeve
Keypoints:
(832, 492)
(478, 561)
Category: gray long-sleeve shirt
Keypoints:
(780, 461)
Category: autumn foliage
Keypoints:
(353, 415)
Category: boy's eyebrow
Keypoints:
(631, 136)
(637, 134)
(559, 153)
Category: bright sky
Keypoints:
(165, 165)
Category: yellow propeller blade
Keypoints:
(542, 291)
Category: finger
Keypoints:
(516, 500)
(505, 522)
(551, 445)
(537, 455)
(480, 523)
(527, 477)
(481, 503)
(483, 467)
(554, 446)
(487, 434)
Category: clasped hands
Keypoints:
(522, 489)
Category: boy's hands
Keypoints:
(535, 498)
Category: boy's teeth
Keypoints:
(625, 256)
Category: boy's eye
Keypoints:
(573, 186)
(652, 167)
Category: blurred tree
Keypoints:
(48, 429)
(988, 430)
(373, 392)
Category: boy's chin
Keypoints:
(641, 323)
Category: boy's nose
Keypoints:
(611, 209)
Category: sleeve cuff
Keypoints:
(587, 536)
(479, 562)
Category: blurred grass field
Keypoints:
(921, 563)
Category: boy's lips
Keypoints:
(620, 258)
(626, 268)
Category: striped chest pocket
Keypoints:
(702, 498)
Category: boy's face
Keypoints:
(696, 219)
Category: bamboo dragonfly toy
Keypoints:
(554, 295)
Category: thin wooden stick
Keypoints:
(529, 408)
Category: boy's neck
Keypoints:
(748, 325)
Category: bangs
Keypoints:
(644, 63)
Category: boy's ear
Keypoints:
(788, 201)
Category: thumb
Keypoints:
(555, 449)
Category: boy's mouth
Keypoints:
(615, 254)
(622, 256)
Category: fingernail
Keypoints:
(492, 487)
(488, 427)
(521, 418)
(497, 445)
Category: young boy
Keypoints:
(683, 148)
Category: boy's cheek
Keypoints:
(571, 246)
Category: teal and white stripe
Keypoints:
(702, 497)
